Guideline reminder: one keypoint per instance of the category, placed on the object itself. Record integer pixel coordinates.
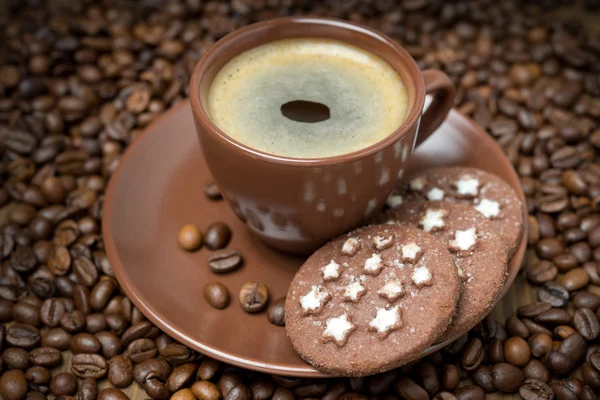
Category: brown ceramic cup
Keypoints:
(295, 204)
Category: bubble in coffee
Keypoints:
(307, 98)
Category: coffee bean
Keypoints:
(541, 272)
(516, 327)
(531, 310)
(26, 313)
(85, 343)
(559, 364)
(120, 371)
(227, 382)
(16, 358)
(85, 271)
(549, 248)
(88, 390)
(217, 295)
(183, 394)
(483, 377)
(205, 390)
(63, 383)
(57, 338)
(535, 369)
(262, 389)
(574, 347)
(212, 192)
(554, 316)
(45, 357)
(586, 323)
(95, 323)
(111, 345)
(85, 365)
(239, 392)
(472, 354)
(553, 294)
(276, 312)
(563, 331)
(117, 323)
(38, 377)
(590, 376)
(224, 261)
(73, 321)
(217, 236)
(406, 388)
(533, 389)
(181, 376)
(507, 378)
(534, 327)
(517, 351)
(141, 350)
(587, 393)
(143, 329)
(575, 279)
(13, 385)
(52, 310)
(23, 335)
(444, 396)
(112, 394)
(101, 294)
(208, 368)
(254, 296)
(586, 300)
(469, 393)
(190, 238)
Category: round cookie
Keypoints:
(479, 253)
(489, 194)
(371, 300)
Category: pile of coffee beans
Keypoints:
(79, 81)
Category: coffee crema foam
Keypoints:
(365, 96)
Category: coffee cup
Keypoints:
(294, 189)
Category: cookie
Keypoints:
(371, 300)
(478, 251)
(489, 194)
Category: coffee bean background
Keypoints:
(79, 81)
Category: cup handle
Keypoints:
(441, 88)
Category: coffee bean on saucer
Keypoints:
(276, 312)
(217, 295)
(217, 236)
(212, 192)
(254, 296)
(223, 261)
(190, 238)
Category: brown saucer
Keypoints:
(158, 187)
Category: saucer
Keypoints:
(158, 187)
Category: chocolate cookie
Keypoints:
(371, 300)
(479, 253)
(489, 194)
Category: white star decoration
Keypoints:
(386, 321)
(338, 329)
(433, 219)
(313, 301)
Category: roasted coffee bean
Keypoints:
(208, 368)
(507, 378)
(541, 272)
(444, 396)
(95, 323)
(534, 327)
(52, 310)
(574, 347)
(112, 394)
(45, 357)
(554, 316)
(206, 390)
(57, 338)
(85, 343)
(241, 392)
(254, 296)
(533, 389)
(575, 279)
(85, 271)
(183, 394)
(73, 321)
(469, 393)
(63, 383)
(586, 323)
(276, 312)
(111, 345)
(190, 238)
(13, 385)
(23, 335)
(549, 248)
(181, 376)
(217, 236)
(16, 358)
(38, 376)
(117, 323)
(217, 295)
(517, 351)
(563, 331)
(472, 354)
(23, 260)
(141, 350)
(535, 369)
(262, 389)
(406, 388)
(531, 310)
(154, 367)
(559, 364)
(85, 365)
(516, 327)
(120, 371)
(88, 390)
(482, 377)
(553, 294)
(101, 294)
(227, 382)
(496, 351)
(26, 313)
(212, 192)
(224, 261)
(143, 329)
(590, 376)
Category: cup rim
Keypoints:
(409, 121)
